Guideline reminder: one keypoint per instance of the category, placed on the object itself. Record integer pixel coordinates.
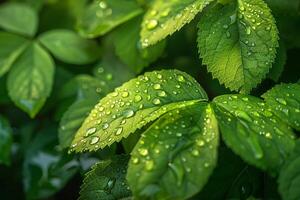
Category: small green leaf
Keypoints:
(30, 81)
(133, 105)
(165, 17)
(284, 99)
(238, 42)
(278, 65)
(176, 155)
(253, 132)
(18, 18)
(129, 49)
(289, 178)
(69, 47)
(6, 141)
(13, 47)
(102, 16)
(106, 180)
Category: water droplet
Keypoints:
(195, 152)
(281, 101)
(151, 24)
(125, 94)
(162, 93)
(110, 184)
(200, 143)
(94, 140)
(248, 30)
(156, 86)
(153, 12)
(149, 165)
(206, 165)
(143, 152)
(165, 12)
(129, 113)
(135, 160)
(137, 98)
(105, 126)
(180, 78)
(90, 131)
(102, 4)
(156, 101)
(119, 131)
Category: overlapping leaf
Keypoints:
(106, 180)
(175, 155)
(238, 42)
(253, 132)
(102, 16)
(30, 80)
(12, 46)
(18, 18)
(165, 17)
(284, 100)
(289, 179)
(134, 104)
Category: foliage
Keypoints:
(149, 99)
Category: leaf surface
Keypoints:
(237, 42)
(252, 131)
(175, 155)
(30, 80)
(133, 105)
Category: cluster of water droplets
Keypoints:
(254, 118)
(103, 9)
(162, 19)
(147, 94)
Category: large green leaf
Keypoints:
(102, 16)
(5, 141)
(69, 47)
(133, 105)
(165, 17)
(289, 179)
(18, 18)
(30, 80)
(106, 180)
(284, 99)
(11, 47)
(176, 155)
(238, 42)
(253, 132)
(129, 49)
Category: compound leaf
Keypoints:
(133, 105)
(252, 131)
(165, 17)
(13, 45)
(106, 180)
(129, 50)
(69, 47)
(18, 18)
(289, 178)
(6, 141)
(238, 42)
(30, 81)
(102, 16)
(175, 155)
(284, 99)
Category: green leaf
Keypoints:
(238, 42)
(165, 17)
(30, 81)
(176, 155)
(102, 16)
(106, 180)
(252, 131)
(6, 141)
(284, 99)
(278, 65)
(13, 47)
(133, 105)
(129, 50)
(69, 47)
(289, 179)
(18, 18)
